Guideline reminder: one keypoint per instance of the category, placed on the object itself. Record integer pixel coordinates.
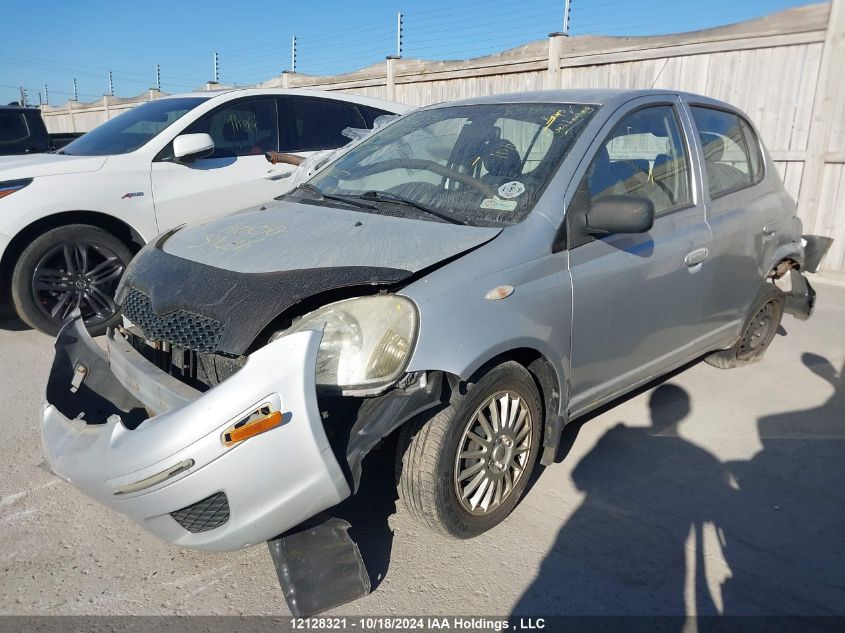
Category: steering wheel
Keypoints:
(427, 165)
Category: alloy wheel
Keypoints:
(77, 274)
(493, 452)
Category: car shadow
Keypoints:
(666, 528)
(10, 322)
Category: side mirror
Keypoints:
(620, 214)
(190, 147)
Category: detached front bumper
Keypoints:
(173, 469)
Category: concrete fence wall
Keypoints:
(784, 70)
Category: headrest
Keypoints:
(234, 131)
(501, 158)
(713, 145)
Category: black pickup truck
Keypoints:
(22, 131)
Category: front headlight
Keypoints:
(367, 341)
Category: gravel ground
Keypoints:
(718, 491)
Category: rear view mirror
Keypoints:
(620, 214)
(190, 147)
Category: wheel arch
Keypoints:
(120, 229)
(548, 378)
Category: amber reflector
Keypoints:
(233, 435)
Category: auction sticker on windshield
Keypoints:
(499, 205)
(512, 189)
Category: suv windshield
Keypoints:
(132, 129)
(477, 164)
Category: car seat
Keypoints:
(720, 175)
(502, 162)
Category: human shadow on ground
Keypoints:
(623, 550)
(786, 537)
(667, 529)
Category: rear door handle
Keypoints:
(697, 256)
(771, 228)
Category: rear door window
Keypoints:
(309, 124)
(727, 161)
(13, 127)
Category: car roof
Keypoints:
(382, 104)
(602, 97)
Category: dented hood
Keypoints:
(215, 287)
(291, 236)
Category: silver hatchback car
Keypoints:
(467, 279)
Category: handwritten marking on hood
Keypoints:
(239, 237)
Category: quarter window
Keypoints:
(754, 153)
(643, 157)
(315, 124)
(728, 163)
(243, 128)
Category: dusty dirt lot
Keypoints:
(719, 491)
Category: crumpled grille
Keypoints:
(210, 513)
(180, 328)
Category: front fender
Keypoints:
(461, 330)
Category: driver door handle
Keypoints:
(276, 175)
(696, 257)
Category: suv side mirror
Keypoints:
(190, 147)
(620, 214)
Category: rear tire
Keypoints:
(758, 331)
(72, 266)
(432, 476)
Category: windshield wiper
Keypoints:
(386, 196)
(350, 200)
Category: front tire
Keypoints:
(462, 471)
(69, 267)
(758, 331)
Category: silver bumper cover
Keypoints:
(272, 481)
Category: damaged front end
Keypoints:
(217, 457)
(219, 470)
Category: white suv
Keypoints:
(71, 221)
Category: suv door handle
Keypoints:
(771, 228)
(697, 256)
(276, 175)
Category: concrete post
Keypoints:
(286, 78)
(106, 106)
(822, 120)
(555, 48)
(391, 77)
(70, 103)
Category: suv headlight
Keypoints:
(366, 343)
(8, 187)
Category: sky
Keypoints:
(52, 42)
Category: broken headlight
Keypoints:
(366, 341)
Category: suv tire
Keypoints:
(78, 265)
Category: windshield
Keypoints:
(132, 129)
(481, 164)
